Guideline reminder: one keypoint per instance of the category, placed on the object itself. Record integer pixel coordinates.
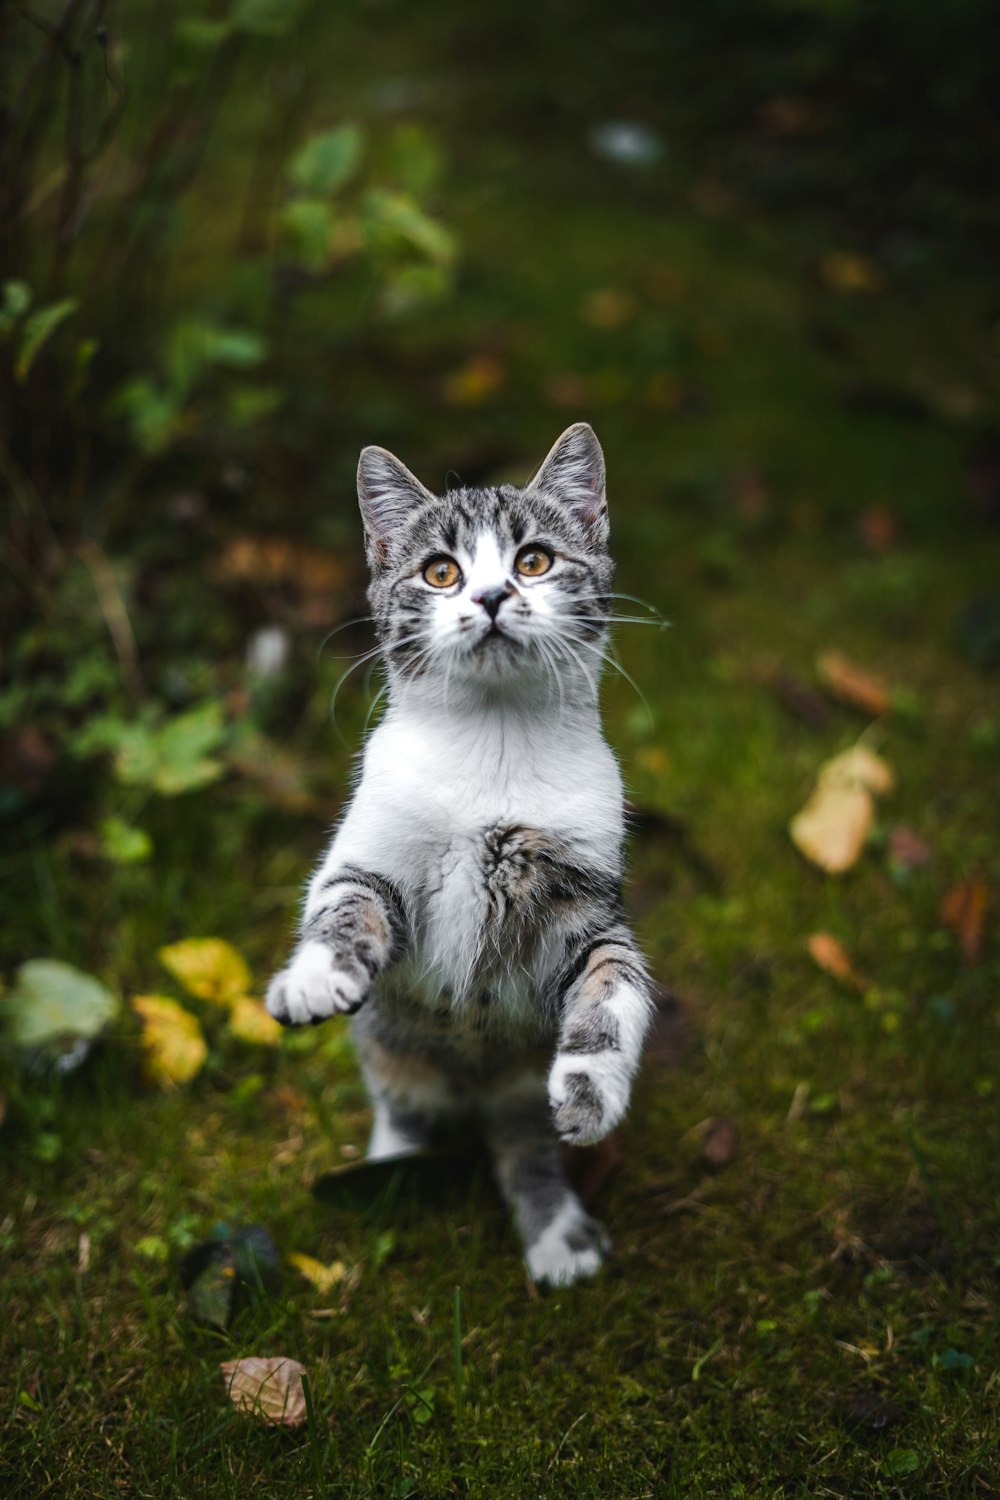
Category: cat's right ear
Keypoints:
(387, 492)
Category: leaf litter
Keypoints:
(833, 827)
(267, 1388)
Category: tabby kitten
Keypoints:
(468, 912)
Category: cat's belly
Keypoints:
(494, 904)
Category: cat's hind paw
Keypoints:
(571, 1247)
(315, 987)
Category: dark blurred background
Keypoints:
(754, 244)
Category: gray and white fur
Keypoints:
(468, 912)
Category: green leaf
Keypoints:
(394, 218)
(39, 327)
(123, 844)
(308, 223)
(210, 1296)
(265, 17)
(415, 159)
(15, 303)
(326, 161)
(899, 1462)
(173, 758)
(152, 414)
(194, 344)
(52, 1002)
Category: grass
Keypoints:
(816, 1317)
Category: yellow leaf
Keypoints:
(209, 968)
(270, 1389)
(316, 1273)
(832, 827)
(251, 1023)
(475, 382)
(856, 767)
(172, 1037)
(846, 272)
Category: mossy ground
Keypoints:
(849, 1251)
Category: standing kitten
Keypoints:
(468, 913)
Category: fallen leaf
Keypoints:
(846, 272)
(830, 955)
(172, 1038)
(322, 1277)
(608, 308)
(832, 828)
(270, 1389)
(210, 968)
(851, 684)
(52, 1002)
(719, 1147)
(963, 911)
(251, 1023)
(878, 528)
(272, 560)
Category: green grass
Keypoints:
(848, 1253)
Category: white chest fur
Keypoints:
(462, 811)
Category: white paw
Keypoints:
(588, 1095)
(573, 1246)
(314, 987)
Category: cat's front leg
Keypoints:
(353, 928)
(605, 1012)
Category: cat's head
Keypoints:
(491, 583)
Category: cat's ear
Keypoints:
(387, 492)
(573, 473)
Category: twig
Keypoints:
(109, 597)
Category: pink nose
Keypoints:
(491, 599)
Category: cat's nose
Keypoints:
(491, 599)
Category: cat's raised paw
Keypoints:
(315, 987)
(586, 1102)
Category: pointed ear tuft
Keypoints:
(573, 473)
(387, 492)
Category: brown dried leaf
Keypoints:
(829, 954)
(964, 910)
(270, 1389)
(844, 680)
(279, 560)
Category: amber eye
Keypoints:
(532, 562)
(442, 572)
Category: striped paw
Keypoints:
(588, 1096)
(316, 986)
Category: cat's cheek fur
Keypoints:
(313, 988)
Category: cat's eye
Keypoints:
(442, 572)
(532, 562)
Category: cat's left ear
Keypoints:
(573, 473)
(387, 492)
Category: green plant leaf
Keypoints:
(37, 329)
(52, 1002)
(15, 303)
(394, 218)
(415, 159)
(123, 844)
(326, 161)
(174, 757)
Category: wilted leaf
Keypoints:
(964, 910)
(251, 1023)
(832, 828)
(173, 1040)
(851, 684)
(829, 954)
(326, 161)
(210, 968)
(322, 1277)
(267, 1388)
(52, 1002)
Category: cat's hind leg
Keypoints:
(562, 1243)
(414, 1101)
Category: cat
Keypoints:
(468, 913)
